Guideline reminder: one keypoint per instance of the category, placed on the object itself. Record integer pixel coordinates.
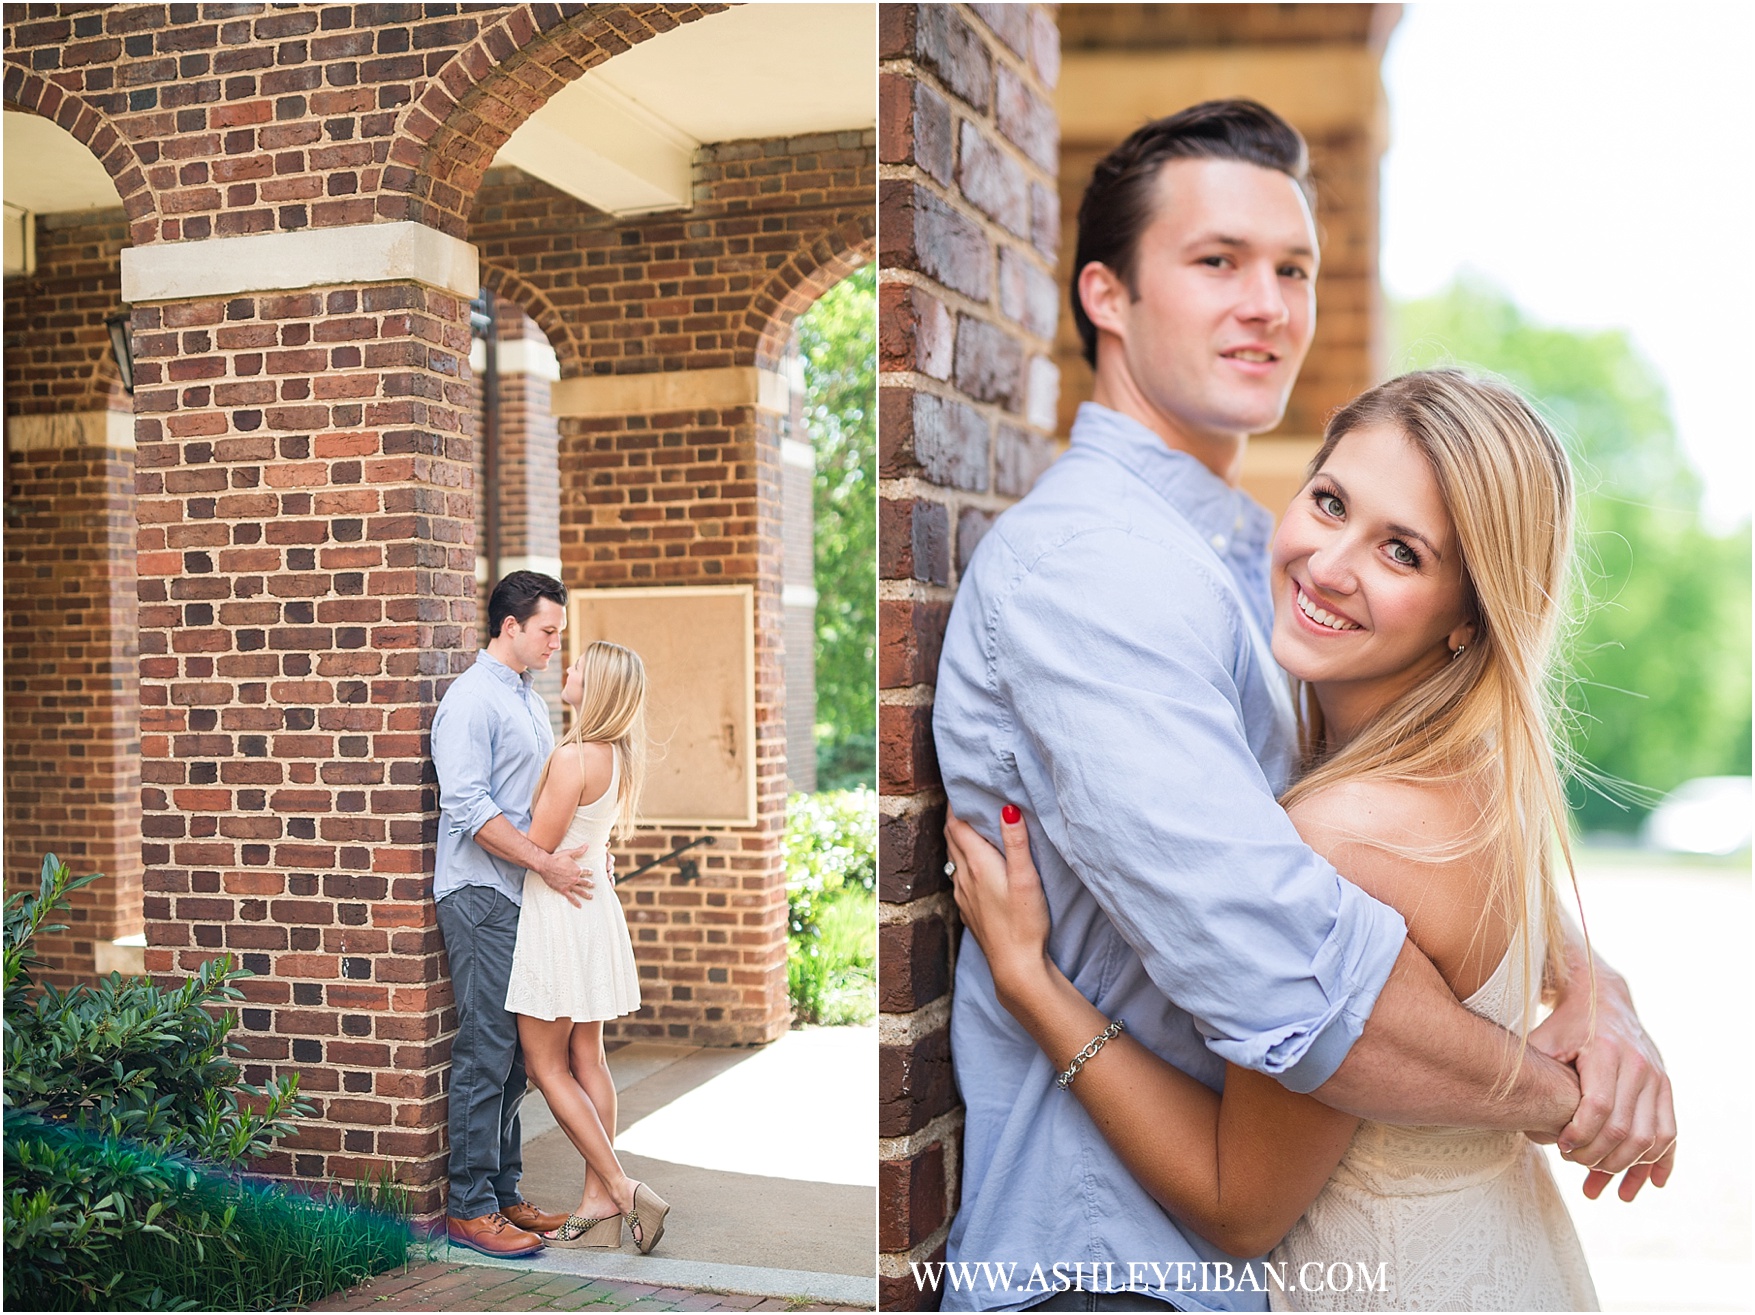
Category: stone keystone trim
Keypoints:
(671, 390)
(276, 262)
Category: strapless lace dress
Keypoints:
(576, 963)
(1460, 1219)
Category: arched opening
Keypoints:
(667, 280)
(72, 710)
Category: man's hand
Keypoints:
(1625, 1119)
(565, 877)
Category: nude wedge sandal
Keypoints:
(646, 1219)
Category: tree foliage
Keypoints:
(1659, 666)
(838, 341)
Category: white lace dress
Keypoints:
(1460, 1219)
(576, 963)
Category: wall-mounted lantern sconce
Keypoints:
(123, 343)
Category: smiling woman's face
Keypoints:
(1369, 593)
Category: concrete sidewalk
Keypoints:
(435, 1286)
(764, 1156)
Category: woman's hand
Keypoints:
(1000, 898)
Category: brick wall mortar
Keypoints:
(964, 207)
(306, 590)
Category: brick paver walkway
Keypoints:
(441, 1285)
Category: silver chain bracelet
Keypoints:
(1115, 1029)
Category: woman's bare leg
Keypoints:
(590, 1069)
(547, 1060)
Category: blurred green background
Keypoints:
(837, 338)
(1659, 664)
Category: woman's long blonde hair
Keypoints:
(1490, 717)
(612, 710)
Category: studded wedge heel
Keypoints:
(581, 1232)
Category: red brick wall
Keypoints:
(71, 712)
(967, 310)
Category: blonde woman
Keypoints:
(1418, 583)
(574, 963)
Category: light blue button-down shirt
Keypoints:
(1107, 669)
(491, 736)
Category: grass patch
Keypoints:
(245, 1246)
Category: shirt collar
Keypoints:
(502, 673)
(1229, 519)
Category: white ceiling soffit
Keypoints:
(48, 170)
(622, 138)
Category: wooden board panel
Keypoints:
(698, 644)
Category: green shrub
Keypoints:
(831, 844)
(832, 978)
(125, 1127)
(831, 867)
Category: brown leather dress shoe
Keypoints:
(532, 1219)
(492, 1235)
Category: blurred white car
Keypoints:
(1708, 815)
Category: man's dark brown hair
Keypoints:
(517, 596)
(1119, 203)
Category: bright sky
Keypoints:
(1594, 161)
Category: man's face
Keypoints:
(538, 639)
(1225, 302)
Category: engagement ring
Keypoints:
(950, 868)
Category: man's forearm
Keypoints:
(1424, 1059)
(503, 840)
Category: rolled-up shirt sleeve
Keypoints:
(462, 738)
(1141, 773)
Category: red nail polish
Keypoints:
(1012, 814)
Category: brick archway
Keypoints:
(472, 106)
(820, 262)
(531, 300)
(91, 128)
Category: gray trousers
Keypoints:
(480, 927)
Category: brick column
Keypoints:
(675, 478)
(72, 714)
(969, 223)
(305, 555)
